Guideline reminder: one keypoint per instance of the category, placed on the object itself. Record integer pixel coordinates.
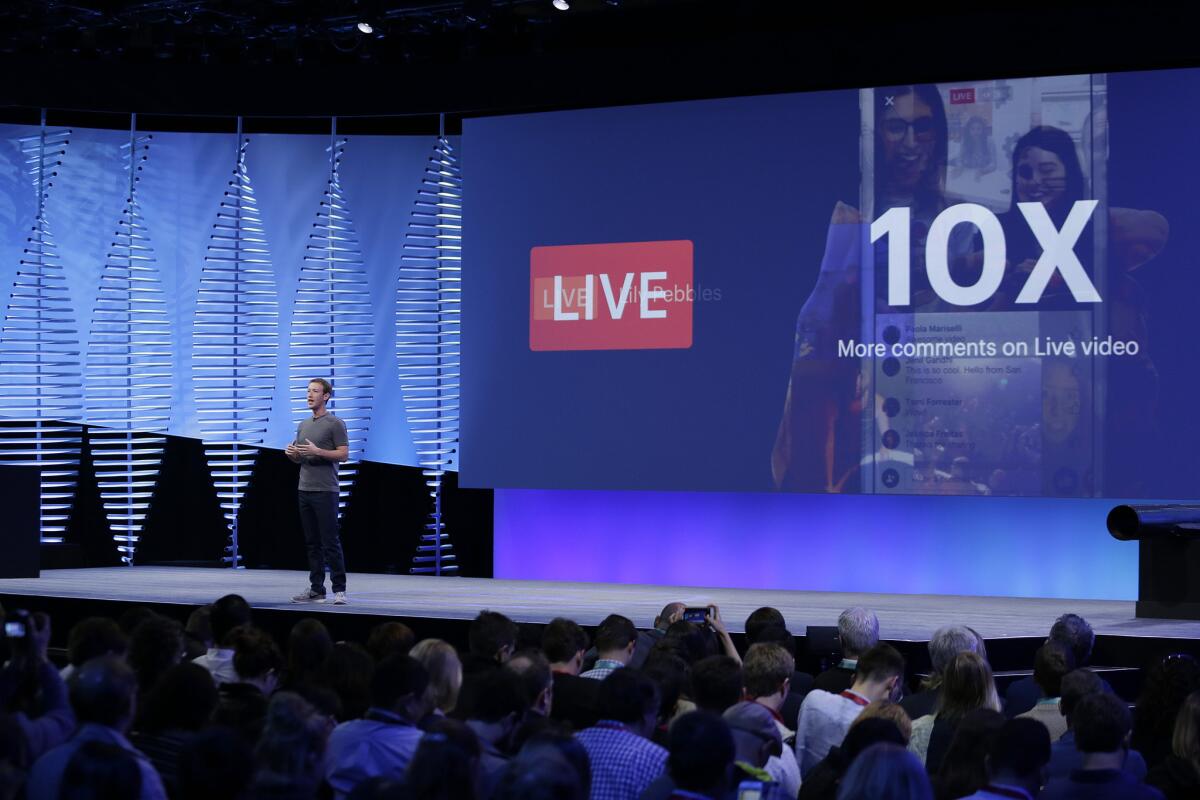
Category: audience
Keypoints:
(1064, 756)
(1102, 725)
(964, 767)
(384, 741)
(885, 772)
(564, 642)
(1164, 690)
(947, 642)
(1016, 763)
(1052, 661)
(226, 614)
(1178, 776)
(624, 760)
(825, 717)
(967, 685)
(767, 673)
(104, 697)
(445, 670)
(693, 721)
(616, 639)
(858, 630)
(1071, 630)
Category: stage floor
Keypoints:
(901, 617)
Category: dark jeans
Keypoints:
(318, 517)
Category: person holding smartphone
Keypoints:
(321, 444)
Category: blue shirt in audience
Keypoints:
(1099, 784)
(623, 763)
(1065, 758)
(46, 777)
(380, 744)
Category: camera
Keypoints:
(16, 624)
(697, 615)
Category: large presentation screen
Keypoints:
(968, 288)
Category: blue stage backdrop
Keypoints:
(102, 276)
(966, 308)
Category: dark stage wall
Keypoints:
(383, 521)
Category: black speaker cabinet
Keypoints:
(20, 535)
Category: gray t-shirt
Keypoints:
(328, 433)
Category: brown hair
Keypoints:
(893, 712)
(767, 666)
(325, 385)
(967, 685)
(1185, 743)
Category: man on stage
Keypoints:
(321, 443)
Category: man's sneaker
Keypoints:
(339, 598)
(309, 596)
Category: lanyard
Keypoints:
(852, 697)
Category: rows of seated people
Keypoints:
(150, 708)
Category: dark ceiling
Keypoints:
(289, 58)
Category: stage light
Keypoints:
(365, 27)
(562, 5)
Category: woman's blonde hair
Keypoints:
(445, 671)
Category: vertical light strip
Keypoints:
(428, 336)
(332, 325)
(235, 344)
(128, 376)
(40, 353)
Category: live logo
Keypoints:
(619, 296)
(962, 96)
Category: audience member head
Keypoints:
(133, 616)
(446, 764)
(564, 642)
(216, 762)
(198, 631)
(537, 680)
(762, 618)
(292, 745)
(155, 646)
(101, 771)
(865, 733)
(774, 634)
(565, 746)
(701, 753)
(309, 644)
(1052, 662)
(756, 737)
(673, 677)
(1076, 685)
(967, 684)
(616, 638)
(400, 685)
(858, 628)
(879, 672)
(229, 612)
(1019, 754)
(544, 776)
(390, 639)
(492, 636)
(629, 697)
(1167, 684)
(104, 691)
(1075, 632)
(1102, 724)
(184, 699)
(947, 642)
(348, 672)
(767, 672)
(445, 672)
(892, 712)
(94, 637)
(1185, 744)
(256, 657)
(671, 613)
(690, 641)
(717, 683)
(885, 772)
(964, 767)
